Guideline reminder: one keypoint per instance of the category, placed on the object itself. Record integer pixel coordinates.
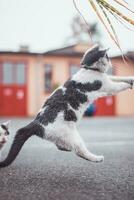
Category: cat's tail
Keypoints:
(20, 138)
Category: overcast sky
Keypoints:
(45, 24)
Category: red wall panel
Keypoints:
(105, 106)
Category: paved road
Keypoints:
(41, 172)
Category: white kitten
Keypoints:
(3, 135)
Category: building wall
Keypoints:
(124, 100)
(35, 84)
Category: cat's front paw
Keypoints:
(98, 159)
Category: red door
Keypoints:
(13, 92)
(105, 106)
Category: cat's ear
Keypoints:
(104, 51)
(89, 54)
(92, 55)
(6, 124)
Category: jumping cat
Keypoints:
(4, 133)
(58, 118)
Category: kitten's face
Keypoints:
(4, 133)
(96, 59)
(103, 64)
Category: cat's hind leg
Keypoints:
(80, 149)
(70, 140)
(63, 143)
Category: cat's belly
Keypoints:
(59, 129)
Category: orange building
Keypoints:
(27, 79)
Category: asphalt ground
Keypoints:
(41, 172)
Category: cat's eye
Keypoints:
(3, 126)
(107, 56)
(7, 133)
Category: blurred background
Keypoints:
(41, 45)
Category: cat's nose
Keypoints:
(3, 141)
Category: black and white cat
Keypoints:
(4, 133)
(57, 120)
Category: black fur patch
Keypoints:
(73, 95)
(92, 56)
(69, 115)
(5, 128)
(83, 87)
